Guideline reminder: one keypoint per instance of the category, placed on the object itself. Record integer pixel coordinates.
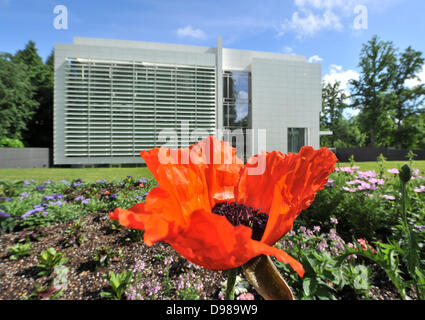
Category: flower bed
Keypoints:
(102, 260)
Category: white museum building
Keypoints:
(114, 98)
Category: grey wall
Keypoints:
(24, 158)
(286, 94)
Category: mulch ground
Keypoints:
(86, 280)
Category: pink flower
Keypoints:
(393, 171)
(334, 220)
(420, 189)
(245, 296)
(348, 189)
(392, 198)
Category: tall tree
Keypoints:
(345, 133)
(403, 99)
(377, 59)
(17, 104)
(333, 104)
(41, 77)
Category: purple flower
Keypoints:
(316, 229)
(6, 199)
(79, 198)
(330, 183)
(4, 215)
(140, 265)
(168, 260)
(31, 212)
(322, 245)
(85, 201)
(57, 203)
(58, 196)
(23, 195)
(139, 197)
(39, 188)
(64, 181)
(393, 171)
(101, 181)
(46, 198)
(26, 182)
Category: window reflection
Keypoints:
(236, 92)
(296, 139)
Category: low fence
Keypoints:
(370, 154)
(24, 158)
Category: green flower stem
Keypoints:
(231, 280)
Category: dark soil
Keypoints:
(86, 278)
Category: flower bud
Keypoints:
(405, 173)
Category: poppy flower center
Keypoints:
(238, 214)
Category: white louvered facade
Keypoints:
(118, 108)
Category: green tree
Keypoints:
(377, 60)
(41, 76)
(345, 133)
(17, 104)
(405, 101)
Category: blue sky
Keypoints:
(322, 30)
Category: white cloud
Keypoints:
(415, 82)
(287, 50)
(308, 24)
(188, 31)
(312, 16)
(336, 73)
(315, 59)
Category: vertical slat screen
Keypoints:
(118, 108)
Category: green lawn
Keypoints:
(87, 174)
(387, 164)
(93, 174)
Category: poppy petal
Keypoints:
(183, 182)
(212, 242)
(221, 167)
(287, 186)
(209, 169)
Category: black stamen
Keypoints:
(238, 214)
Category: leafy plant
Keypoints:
(105, 255)
(19, 250)
(49, 259)
(44, 293)
(74, 236)
(118, 284)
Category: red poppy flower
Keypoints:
(209, 206)
(363, 243)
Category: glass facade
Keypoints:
(236, 99)
(297, 138)
(236, 107)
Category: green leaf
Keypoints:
(306, 286)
